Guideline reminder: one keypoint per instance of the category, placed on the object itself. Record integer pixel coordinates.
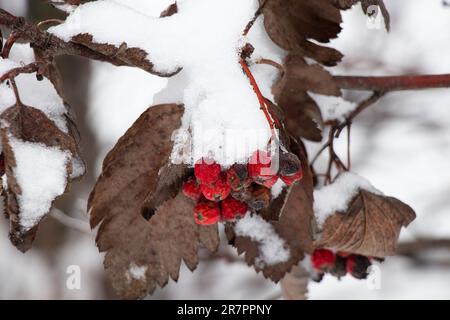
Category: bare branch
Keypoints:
(393, 83)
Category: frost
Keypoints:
(337, 196)
(333, 108)
(41, 174)
(203, 38)
(272, 248)
(136, 272)
(41, 95)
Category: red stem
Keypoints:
(261, 99)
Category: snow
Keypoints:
(333, 108)
(336, 197)
(41, 95)
(277, 188)
(272, 248)
(41, 174)
(204, 39)
(136, 272)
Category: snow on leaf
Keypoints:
(272, 249)
(39, 160)
(41, 174)
(337, 196)
(370, 226)
(135, 227)
(40, 146)
(293, 225)
(204, 38)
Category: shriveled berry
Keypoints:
(207, 171)
(217, 191)
(259, 167)
(207, 212)
(323, 259)
(191, 189)
(237, 176)
(289, 180)
(289, 164)
(232, 209)
(269, 182)
(259, 197)
(357, 266)
(339, 269)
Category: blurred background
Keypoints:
(401, 144)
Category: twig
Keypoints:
(72, 223)
(29, 68)
(49, 44)
(420, 245)
(270, 63)
(13, 37)
(16, 92)
(363, 105)
(252, 22)
(393, 83)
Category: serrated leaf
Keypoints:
(30, 125)
(144, 224)
(291, 24)
(370, 226)
(130, 56)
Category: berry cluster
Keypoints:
(340, 263)
(227, 195)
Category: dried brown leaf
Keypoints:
(31, 125)
(303, 116)
(293, 24)
(294, 285)
(370, 227)
(141, 223)
(130, 56)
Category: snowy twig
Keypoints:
(72, 223)
(48, 44)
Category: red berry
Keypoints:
(259, 167)
(207, 212)
(289, 180)
(217, 191)
(207, 170)
(192, 190)
(237, 177)
(232, 209)
(322, 259)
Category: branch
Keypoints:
(414, 247)
(49, 44)
(29, 68)
(393, 83)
